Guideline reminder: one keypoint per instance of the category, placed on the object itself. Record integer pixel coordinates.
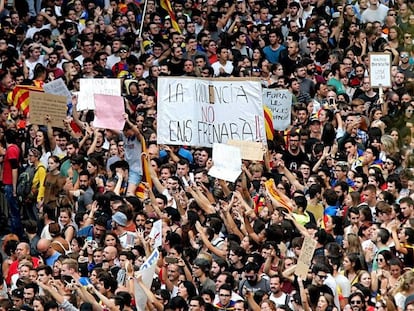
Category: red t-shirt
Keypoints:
(12, 152)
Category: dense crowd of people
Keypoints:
(80, 205)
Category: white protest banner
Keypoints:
(42, 104)
(380, 69)
(305, 257)
(226, 162)
(109, 112)
(147, 271)
(156, 233)
(58, 87)
(89, 87)
(200, 112)
(280, 103)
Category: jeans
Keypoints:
(15, 222)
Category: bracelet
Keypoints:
(89, 217)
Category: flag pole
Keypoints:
(144, 11)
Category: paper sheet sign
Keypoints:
(226, 162)
(89, 87)
(380, 69)
(42, 104)
(58, 87)
(147, 270)
(108, 112)
(305, 257)
(250, 150)
(280, 103)
(156, 233)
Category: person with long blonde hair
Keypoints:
(352, 244)
(404, 289)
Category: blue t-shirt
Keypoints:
(272, 55)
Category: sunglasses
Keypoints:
(355, 302)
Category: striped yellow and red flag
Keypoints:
(268, 118)
(19, 97)
(166, 5)
(278, 197)
(146, 173)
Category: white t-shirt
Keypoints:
(31, 31)
(228, 68)
(378, 14)
(282, 300)
(31, 65)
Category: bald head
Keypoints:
(110, 253)
(43, 246)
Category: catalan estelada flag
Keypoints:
(19, 97)
(166, 5)
(268, 118)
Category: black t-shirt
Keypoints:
(176, 69)
(292, 162)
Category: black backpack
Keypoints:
(24, 184)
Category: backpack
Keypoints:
(24, 184)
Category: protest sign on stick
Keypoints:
(380, 69)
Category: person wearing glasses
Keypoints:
(357, 301)
(320, 273)
(252, 280)
(405, 67)
(225, 303)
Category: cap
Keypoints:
(409, 300)
(120, 218)
(314, 119)
(18, 292)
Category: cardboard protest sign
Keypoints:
(250, 150)
(380, 69)
(280, 103)
(226, 162)
(89, 87)
(201, 112)
(108, 112)
(305, 257)
(42, 104)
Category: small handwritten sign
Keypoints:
(280, 103)
(380, 69)
(305, 257)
